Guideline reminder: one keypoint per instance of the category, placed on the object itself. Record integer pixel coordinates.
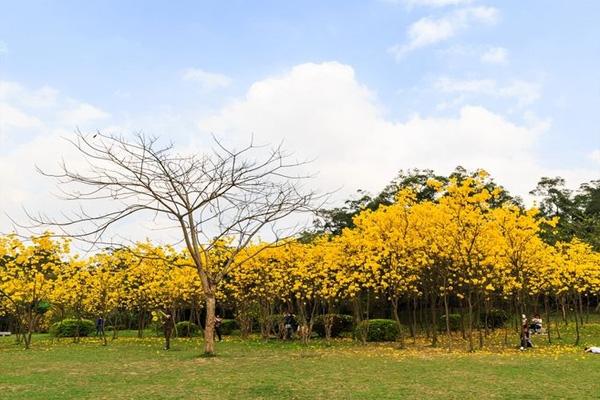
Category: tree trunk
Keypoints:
(209, 330)
(361, 329)
(563, 311)
(414, 320)
(397, 319)
(479, 331)
(328, 320)
(447, 311)
(580, 309)
(424, 322)
(434, 336)
(577, 336)
(470, 305)
(463, 331)
(548, 323)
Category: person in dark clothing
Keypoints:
(289, 324)
(218, 322)
(100, 326)
(168, 324)
(525, 334)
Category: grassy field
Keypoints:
(131, 368)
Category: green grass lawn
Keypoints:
(131, 368)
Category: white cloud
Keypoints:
(16, 94)
(322, 111)
(428, 31)
(206, 80)
(82, 113)
(595, 156)
(495, 55)
(12, 117)
(524, 92)
(3, 48)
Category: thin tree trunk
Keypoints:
(447, 311)
(470, 326)
(580, 309)
(479, 331)
(548, 322)
(397, 319)
(414, 320)
(563, 311)
(434, 336)
(424, 322)
(577, 336)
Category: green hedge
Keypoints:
(341, 323)
(228, 326)
(455, 322)
(187, 329)
(379, 330)
(68, 328)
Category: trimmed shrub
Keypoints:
(68, 328)
(341, 323)
(187, 329)
(455, 322)
(379, 330)
(228, 326)
(495, 318)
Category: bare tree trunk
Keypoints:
(424, 322)
(29, 333)
(414, 320)
(361, 328)
(563, 310)
(580, 308)
(434, 326)
(548, 322)
(470, 305)
(328, 320)
(577, 335)
(479, 331)
(397, 319)
(463, 330)
(447, 311)
(209, 330)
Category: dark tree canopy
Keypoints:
(578, 212)
(335, 220)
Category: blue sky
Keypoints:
(366, 87)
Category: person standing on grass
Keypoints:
(218, 322)
(100, 326)
(525, 334)
(289, 323)
(168, 327)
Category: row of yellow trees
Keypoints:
(461, 250)
(43, 276)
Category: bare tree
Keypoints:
(223, 194)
